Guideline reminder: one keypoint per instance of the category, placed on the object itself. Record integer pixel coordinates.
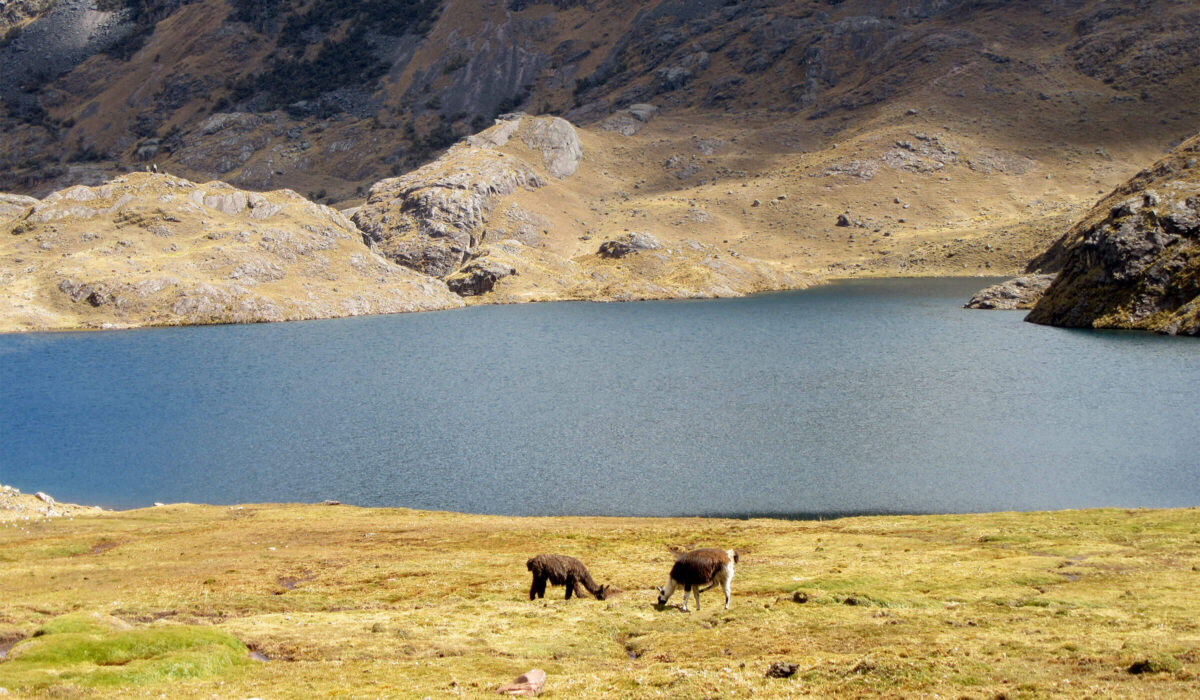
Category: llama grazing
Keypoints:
(562, 570)
(697, 568)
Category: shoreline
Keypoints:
(14, 500)
(812, 283)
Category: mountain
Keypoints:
(759, 144)
(1133, 261)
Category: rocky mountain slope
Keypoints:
(775, 142)
(149, 249)
(1134, 261)
(154, 249)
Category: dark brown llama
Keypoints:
(562, 570)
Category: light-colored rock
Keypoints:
(434, 218)
(14, 206)
(1017, 293)
(629, 243)
(630, 120)
(558, 143)
(527, 684)
(153, 249)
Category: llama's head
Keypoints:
(662, 595)
(603, 592)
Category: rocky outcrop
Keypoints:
(629, 243)
(149, 249)
(630, 120)
(1134, 261)
(1017, 293)
(434, 218)
(14, 206)
(479, 276)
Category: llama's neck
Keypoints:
(589, 583)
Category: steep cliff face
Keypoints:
(1134, 261)
(148, 249)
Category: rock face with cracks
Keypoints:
(434, 218)
(1134, 261)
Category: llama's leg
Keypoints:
(697, 598)
(541, 587)
(728, 591)
(570, 587)
(533, 587)
(687, 590)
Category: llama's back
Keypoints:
(701, 566)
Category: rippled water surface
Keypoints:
(866, 396)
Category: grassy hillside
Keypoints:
(352, 602)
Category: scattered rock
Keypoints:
(630, 120)
(1017, 293)
(629, 243)
(331, 503)
(44, 498)
(800, 597)
(527, 684)
(843, 220)
(779, 669)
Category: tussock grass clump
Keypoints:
(95, 650)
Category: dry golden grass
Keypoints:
(349, 602)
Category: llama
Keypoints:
(562, 570)
(696, 568)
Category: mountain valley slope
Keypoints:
(948, 136)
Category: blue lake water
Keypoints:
(863, 396)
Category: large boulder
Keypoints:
(479, 276)
(1134, 261)
(434, 218)
(1016, 293)
(629, 243)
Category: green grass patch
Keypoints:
(92, 650)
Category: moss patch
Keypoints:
(93, 650)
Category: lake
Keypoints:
(875, 396)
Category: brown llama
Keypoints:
(697, 568)
(562, 570)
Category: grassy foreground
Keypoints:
(349, 602)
